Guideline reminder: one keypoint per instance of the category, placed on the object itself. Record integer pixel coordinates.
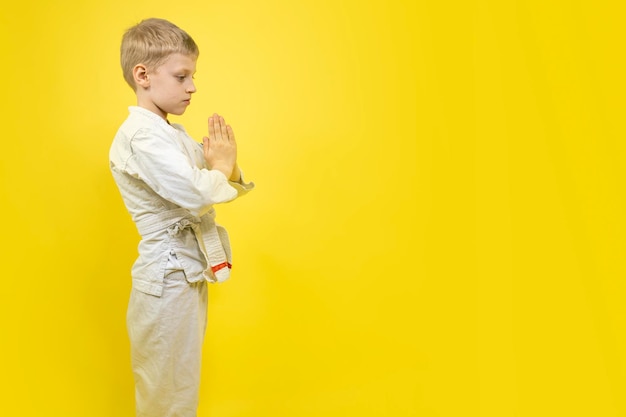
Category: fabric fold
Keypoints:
(212, 238)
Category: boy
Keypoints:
(169, 185)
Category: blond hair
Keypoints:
(151, 42)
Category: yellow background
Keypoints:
(437, 229)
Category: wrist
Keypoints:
(224, 169)
(235, 176)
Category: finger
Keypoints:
(211, 127)
(231, 134)
(224, 130)
(217, 127)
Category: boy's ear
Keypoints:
(140, 75)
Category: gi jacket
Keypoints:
(169, 192)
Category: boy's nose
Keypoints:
(191, 88)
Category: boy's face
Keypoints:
(169, 87)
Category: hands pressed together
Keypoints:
(220, 148)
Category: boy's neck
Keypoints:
(144, 101)
(154, 109)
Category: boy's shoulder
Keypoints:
(142, 123)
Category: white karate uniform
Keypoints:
(170, 192)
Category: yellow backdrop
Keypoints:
(437, 229)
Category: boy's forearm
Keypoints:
(224, 169)
(233, 174)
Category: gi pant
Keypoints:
(166, 335)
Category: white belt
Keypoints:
(212, 238)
